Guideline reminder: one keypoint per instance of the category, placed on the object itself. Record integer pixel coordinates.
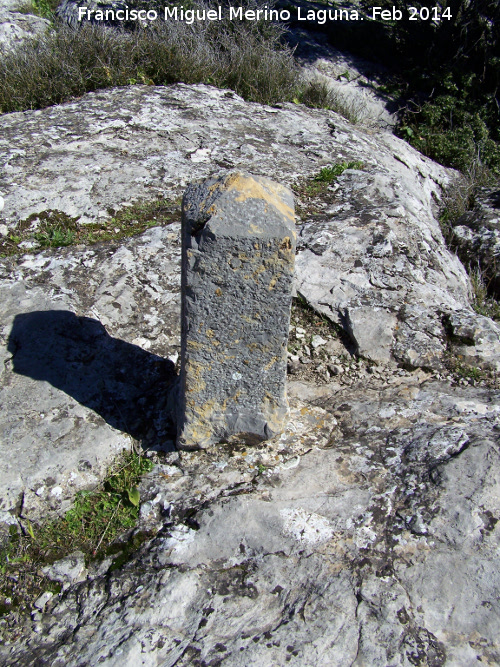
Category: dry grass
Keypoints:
(247, 57)
(317, 94)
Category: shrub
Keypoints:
(448, 71)
(248, 57)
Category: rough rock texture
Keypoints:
(367, 533)
(372, 542)
(86, 335)
(15, 27)
(477, 237)
(373, 242)
(67, 11)
(238, 252)
(354, 82)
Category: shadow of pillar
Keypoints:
(127, 386)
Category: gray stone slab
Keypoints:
(237, 272)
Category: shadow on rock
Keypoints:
(131, 389)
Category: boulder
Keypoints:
(68, 12)
(365, 533)
(15, 26)
(374, 241)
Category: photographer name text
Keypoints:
(320, 16)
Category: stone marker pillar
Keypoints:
(238, 253)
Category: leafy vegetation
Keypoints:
(445, 72)
(91, 526)
(311, 188)
(54, 229)
(329, 174)
(43, 8)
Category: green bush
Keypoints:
(448, 132)
(447, 74)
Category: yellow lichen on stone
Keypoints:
(273, 282)
(195, 344)
(270, 363)
(194, 373)
(249, 188)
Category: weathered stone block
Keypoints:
(238, 251)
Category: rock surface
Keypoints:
(86, 335)
(354, 82)
(372, 242)
(477, 237)
(15, 26)
(374, 543)
(368, 532)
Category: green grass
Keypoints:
(317, 185)
(43, 8)
(330, 174)
(483, 302)
(91, 526)
(55, 229)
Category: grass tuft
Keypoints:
(55, 229)
(458, 199)
(318, 95)
(483, 302)
(317, 186)
(91, 526)
(330, 174)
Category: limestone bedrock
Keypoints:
(238, 253)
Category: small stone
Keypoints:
(305, 360)
(70, 568)
(317, 341)
(335, 369)
(174, 358)
(42, 600)
(307, 350)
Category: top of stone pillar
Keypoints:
(239, 205)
